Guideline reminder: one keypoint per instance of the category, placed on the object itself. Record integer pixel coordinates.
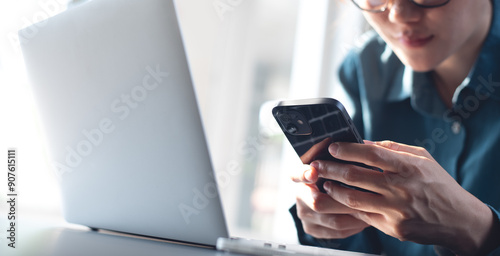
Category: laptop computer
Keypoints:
(121, 122)
(119, 113)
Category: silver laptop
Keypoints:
(122, 126)
(118, 110)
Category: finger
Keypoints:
(355, 199)
(322, 232)
(419, 151)
(340, 222)
(371, 155)
(320, 202)
(307, 174)
(352, 175)
(371, 219)
(333, 221)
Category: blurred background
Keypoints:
(244, 55)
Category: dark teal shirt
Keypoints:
(392, 102)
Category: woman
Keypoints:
(430, 78)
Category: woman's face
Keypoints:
(424, 38)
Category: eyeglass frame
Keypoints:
(383, 9)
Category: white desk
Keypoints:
(48, 238)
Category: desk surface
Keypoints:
(49, 238)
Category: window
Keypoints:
(253, 53)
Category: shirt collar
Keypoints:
(484, 78)
(424, 96)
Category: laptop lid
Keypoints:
(124, 135)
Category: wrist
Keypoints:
(492, 240)
(479, 236)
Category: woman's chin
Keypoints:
(420, 60)
(420, 65)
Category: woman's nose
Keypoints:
(404, 11)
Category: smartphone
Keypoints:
(311, 125)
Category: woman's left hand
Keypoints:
(415, 199)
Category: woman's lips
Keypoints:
(415, 41)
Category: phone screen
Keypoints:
(312, 125)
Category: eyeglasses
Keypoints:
(381, 5)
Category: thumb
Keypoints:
(306, 174)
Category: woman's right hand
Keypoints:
(322, 216)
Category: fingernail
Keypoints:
(328, 186)
(333, 149)
(308, 175)
(315, 165)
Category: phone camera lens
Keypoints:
(292, 129)
(285, 118)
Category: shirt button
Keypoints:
(456, 127)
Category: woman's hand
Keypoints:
(321, 215)
(415, 199)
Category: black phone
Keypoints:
(311, 125)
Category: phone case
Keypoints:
(311, 125)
